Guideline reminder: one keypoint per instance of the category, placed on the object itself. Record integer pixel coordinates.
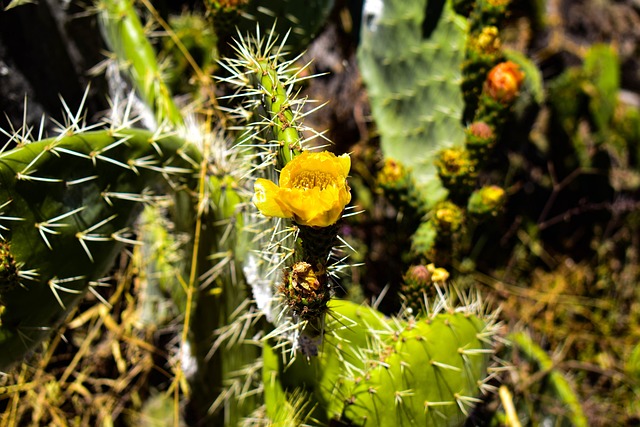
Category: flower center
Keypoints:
(307, 179)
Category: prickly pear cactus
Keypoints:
(373, 370)
(67, 205)
(410, 58)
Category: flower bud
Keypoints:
(447, 218)
(392, 173)
(487, 200)
(480, 139)
(457, 172)
(504, 81)
(488, 41)
(480, 131)
(420, 285)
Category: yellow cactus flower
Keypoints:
(313, 189)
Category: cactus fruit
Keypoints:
(413, 83)
(500, 90)
(373, 370)
(487, 201)
(479, 142)
(399, 187)
(420, 285)
(71, 201)
(457, 173)
(483, 51)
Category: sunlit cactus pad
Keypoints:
(410, 58)
(374, 370)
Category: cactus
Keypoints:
(70, 202)
(389, 371)
(127, 39)
(231, 278)
(449, 154)
(413, 82)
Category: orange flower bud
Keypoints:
(503, 82)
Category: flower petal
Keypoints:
(313, 189)
(267, 199)
(345, 164)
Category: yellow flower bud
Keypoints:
(438, 274)
(313, 190)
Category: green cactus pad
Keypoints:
(413, 80)
(380, 371)
(67, 205)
